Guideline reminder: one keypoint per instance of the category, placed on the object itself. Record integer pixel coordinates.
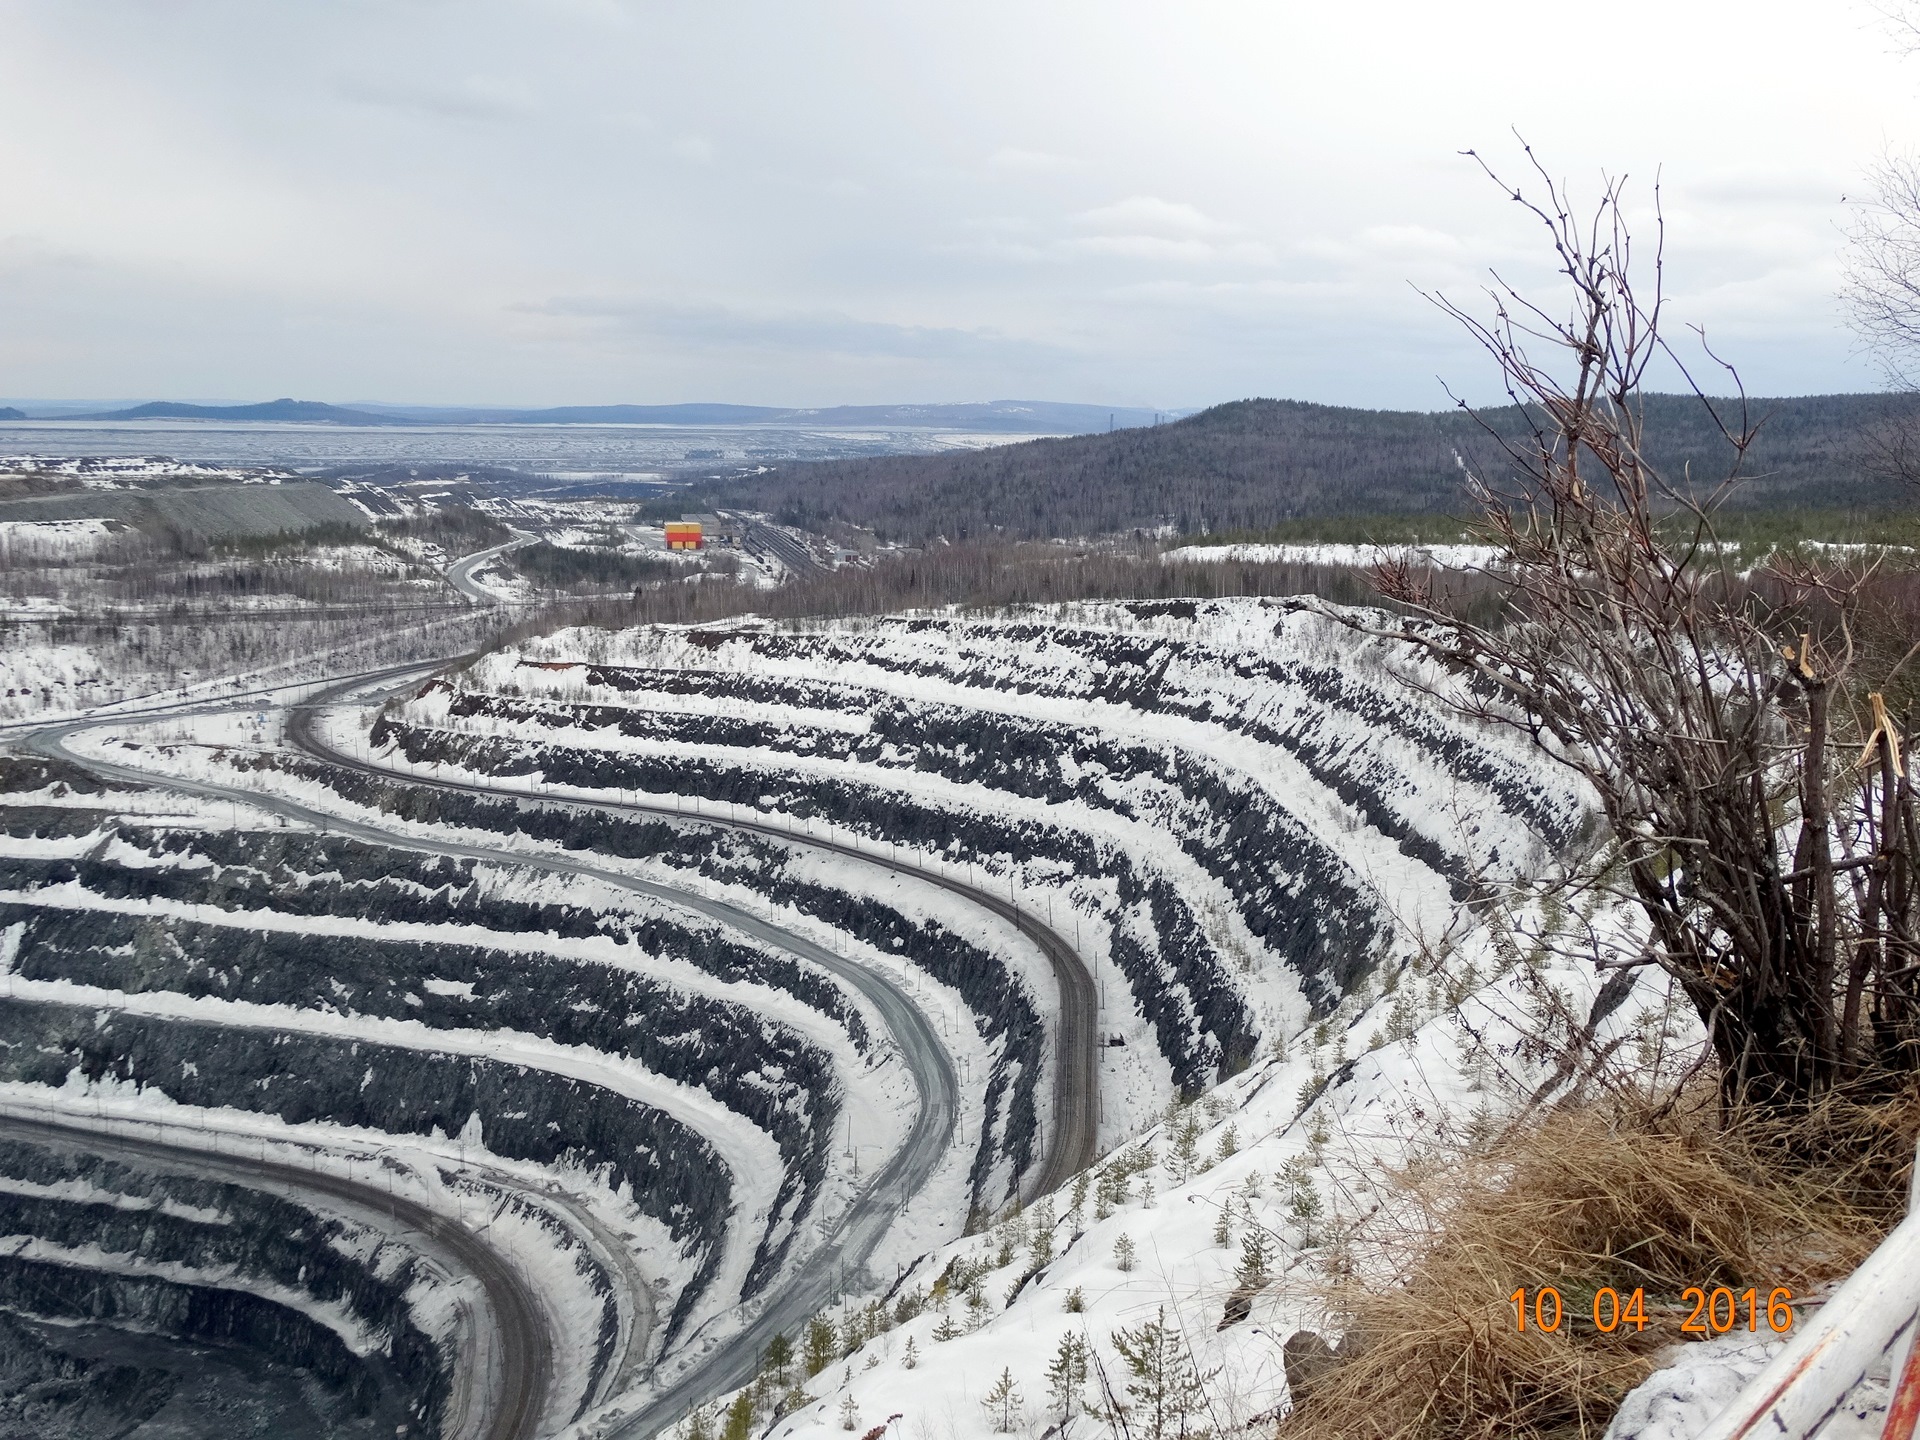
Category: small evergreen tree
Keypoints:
(1251, 1273)
(1186, 1142)
(1229, 1142)
(849, 1413)
(1004, 1404)
(1041, 1250)
(911, 1357)
(1305, 1204)
(853, 1330)
(1076, 1301)
(739, 1424)
(1123, 1252)
(699, 1424)
(1223, 1227)
(779, 1360)
(821, 1346)
(976, 1306)
(1168, 1391)
(946, 1329)
(1066, 1374)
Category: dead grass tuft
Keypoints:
(1580, 1200)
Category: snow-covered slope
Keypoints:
(1242, 810)
(1255, 833)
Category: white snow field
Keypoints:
(1285, 861)
(1441, 555)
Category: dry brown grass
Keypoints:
(1581, 1200)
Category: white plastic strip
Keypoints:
(1826, 1358)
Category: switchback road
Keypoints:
(1074, 1131)
(853, 1237)
(1076, 1096)
(813, 1284)
(460, 574)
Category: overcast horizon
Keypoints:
(585, 202)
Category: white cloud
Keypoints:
(1159, 248)
(1150, 215)
(710, 325)
(1012, 159)
(477, 97)
(1087, 199)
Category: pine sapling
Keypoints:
(1040, 1252)
(1255, 1256)
(1004, 1404)
(739, 1424)
(1229, 1142)
(821, 1346)
(1067, 1376)
(1168, 1390)
(778, 1361)
(1123, 1252)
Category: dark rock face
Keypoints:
(146, 1302)
(1174, 975)
(773, 1077)
(21, 774)
(1004, 1009)
(1308, 1358)
(669, 1171)
(768, 734)
(49, 1394)
(118, 1224)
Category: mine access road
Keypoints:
(1073, 1134)
(810, 1286)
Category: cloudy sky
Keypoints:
(798, 203)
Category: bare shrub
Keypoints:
(1754, 783)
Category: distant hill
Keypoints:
(7, 412)
(1251, 464)
(210, 508)
(312, 411)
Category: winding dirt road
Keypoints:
(526, 1373)
(1074, 1132)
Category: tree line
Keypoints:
(1251, 465)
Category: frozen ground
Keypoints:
(1441, 556)
(1253, 829)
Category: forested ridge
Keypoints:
(1250, 464)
